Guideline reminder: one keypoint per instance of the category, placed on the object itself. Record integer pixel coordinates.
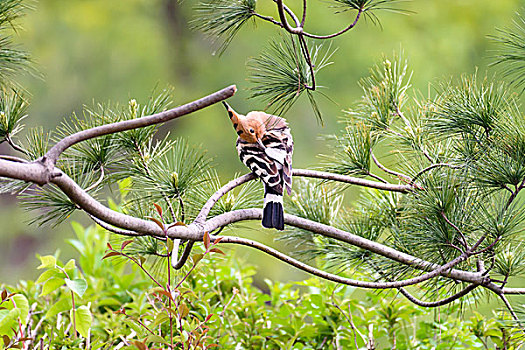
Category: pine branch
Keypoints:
(158, 118)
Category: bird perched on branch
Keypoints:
(265, 146)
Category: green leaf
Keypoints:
(156, 339)
(70, 266)
(20, 302)
(60, 306)
(54, 272)
(197, 257)
(124, 187)
(83, 320)
(48, 261)
(78, 285)
(51, 285)
(8, 321)
(169, 245)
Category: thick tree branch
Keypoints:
(162, 117)
(194, 232)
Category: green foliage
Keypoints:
(281, 73)
(217, 303)
(13, 109)
(511, 55)
(368, 7)
(12, 60)
(385, 93)
(351, 155)
(223, 18)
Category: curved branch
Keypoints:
(329, 36)
(185, 255)
(13, 159)
(281, 8)
(195, 231)
(353, 180)
(303, 20)
(388, 171)
(441, 302)
(203, 214)
(332, 232)
(328, 276)
(430, 168)
(68, 141)
(268, 19)
(14, 145)
(511, 310)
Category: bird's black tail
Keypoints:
(273, 213)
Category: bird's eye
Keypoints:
(252, 131)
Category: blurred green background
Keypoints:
(98, 51)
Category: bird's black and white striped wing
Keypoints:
(267, 169)
(279, 147)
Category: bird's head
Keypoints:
(250, 128)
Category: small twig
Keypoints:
(511, 311)
(514, 194)
(182, 213)
(292, 15)
(352, 180)
(441, 302)
(281, 8)
(436, 165)
(306, 54)
(139, 264)
(138, 321)
(329, 36)
(349, 320)
(13, 159)
(268, 19)
(99, 180)
(386, 170)
(303, 20)
(378, 178)
(457, 230)
(435, 270)
(14, 145)
(490, 246)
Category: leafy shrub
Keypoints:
(215, 304)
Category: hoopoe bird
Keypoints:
(265, 146)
